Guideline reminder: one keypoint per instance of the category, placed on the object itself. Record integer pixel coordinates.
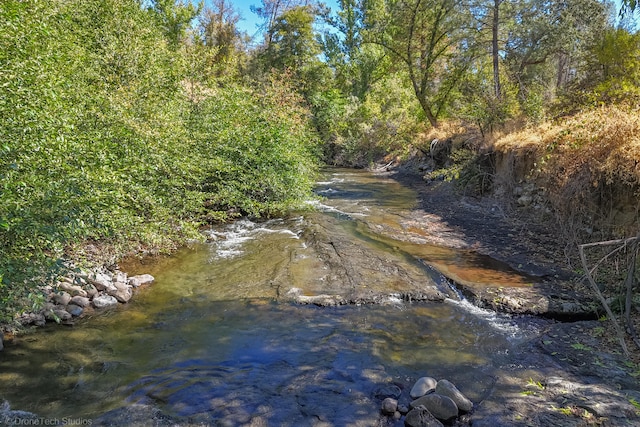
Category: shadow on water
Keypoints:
(289, 365)
(236, 360)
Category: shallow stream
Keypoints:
(216, 338)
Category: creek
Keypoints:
(222, 336)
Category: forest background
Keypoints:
(127, 125)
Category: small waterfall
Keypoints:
(444, 284)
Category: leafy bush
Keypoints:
(101, 142)
(384, 124)
(255, 154)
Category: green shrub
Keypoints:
(102, 142)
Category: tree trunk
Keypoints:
(495, 48)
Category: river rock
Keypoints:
(72, 289)
(102, 301)
(36, 319)
(392, 391)
(121, 292)
(142, 279)
(389, 406)
(101, 281)
(62, 298)
(442, 407)
(120, 276)
(66, 279)
(423, 386)
(421, 417)
(92, 291)
(446, 388)
(80, 301)
(75, 310)
(57, 315)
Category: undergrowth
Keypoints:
(587, 165)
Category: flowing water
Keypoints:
(217, 340)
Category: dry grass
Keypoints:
(605, 140)
(588, 165)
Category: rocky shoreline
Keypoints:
(77, 294)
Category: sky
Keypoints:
(250, 21)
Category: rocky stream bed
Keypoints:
(568, 374)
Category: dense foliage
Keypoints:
(108, 136)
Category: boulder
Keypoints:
(120, 277)
(91, 290)
(80, 301)
(62, 298)
(36, 319)
(57, 315)
(75, 310)
(403, 409)
(423, 386)
(101, 281)
(72, 289)
(391, 390)
(121, 292)
(442, 407)
(389, 406)
(446, 388)
(102, 301)
(142, 279)
(421, 417)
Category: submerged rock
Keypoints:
(392, 391)
(389, 406)
(139, 280)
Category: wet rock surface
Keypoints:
(358, 274)
(448, 218)
(562, 378)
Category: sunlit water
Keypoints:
(213, 340)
